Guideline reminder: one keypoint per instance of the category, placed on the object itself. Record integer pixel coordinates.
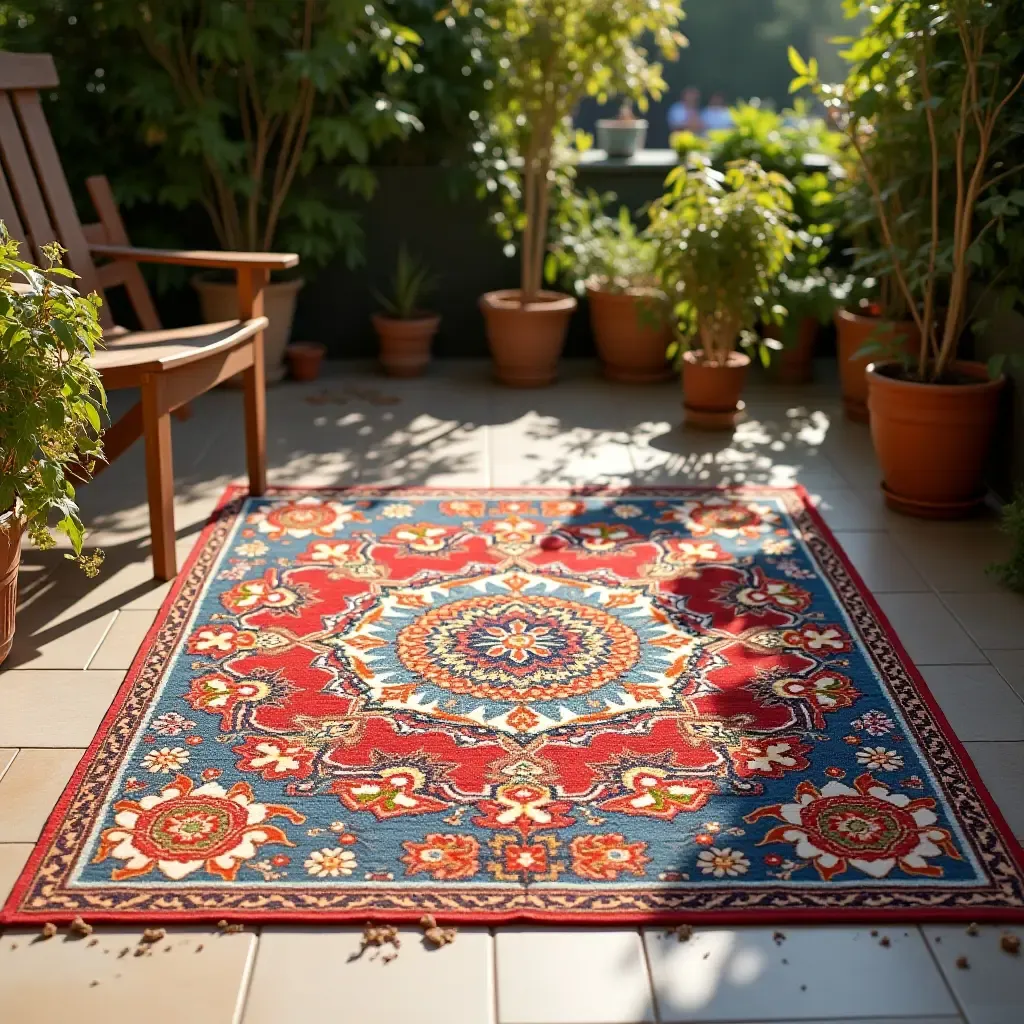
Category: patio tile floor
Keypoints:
(76, 638)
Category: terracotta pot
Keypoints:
(405, 344)
(711, 394)
(631, 345)
(526, 341)
(932, 440)
(218, 301)
(304, 359)
(10, 559)
(794, 364)
(853, 332)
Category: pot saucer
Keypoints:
(713, 419)
(933, 509)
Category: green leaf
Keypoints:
(797, 63)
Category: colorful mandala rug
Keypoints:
(602, 707)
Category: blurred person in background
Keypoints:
(684, 114)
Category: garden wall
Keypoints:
(442, 221)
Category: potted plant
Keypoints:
(50, 412)
(404, 328)
(244, 101)
(954, 78)
(721, 242)
(612, 262)
(623, 135)
(551, 56)
(811, 297)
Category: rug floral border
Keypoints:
(42, 891)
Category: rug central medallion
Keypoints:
(608, 707)
(514, 653)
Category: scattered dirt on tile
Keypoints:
(14, 945)
(48, 930)
(79, 927)
(199, 948)
(972, 928)
(93, 942)
(1010, 943)
(226, 928)
(683, 932)
(963, 963)
(778, 938)
(784, 960)
(885, 941)
(874, 933)
(377, 936)
(143, 951)
(124, 952)
(433, 934)
(93, 983)
(803, 988)
(151, 935)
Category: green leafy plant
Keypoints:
(243, 99)
(930, 108)
(595, 249)
(550, 55)
(1011, 572)
(722, 239)
(412, 282)
(52, 403)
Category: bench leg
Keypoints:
(156, 425)
(256, 420)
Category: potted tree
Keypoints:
(722, 240)
(404, 328)
(611, 261)
(932, 416)
(246, 100)
(50, 412)
(551, 54)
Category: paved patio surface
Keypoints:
(76, 639)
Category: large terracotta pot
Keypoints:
(405, 344)
(630, 341)
(218, 301)
(526, 341)
(932, 440)
(10, 559)
(794, 363)
(853, 332)
(711, 394)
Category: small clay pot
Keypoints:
(405, 344)
(526, 341)
(631, 340)
(853, 332)
(304, 359)
(794, 363)
(10, 558)
(711, 394)
(932, 440)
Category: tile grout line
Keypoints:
(106, 633)
(6, 768)
(245, 982)
(961, 1009)
(649, 972)
(493, 965)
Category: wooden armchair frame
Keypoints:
(169, 367)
